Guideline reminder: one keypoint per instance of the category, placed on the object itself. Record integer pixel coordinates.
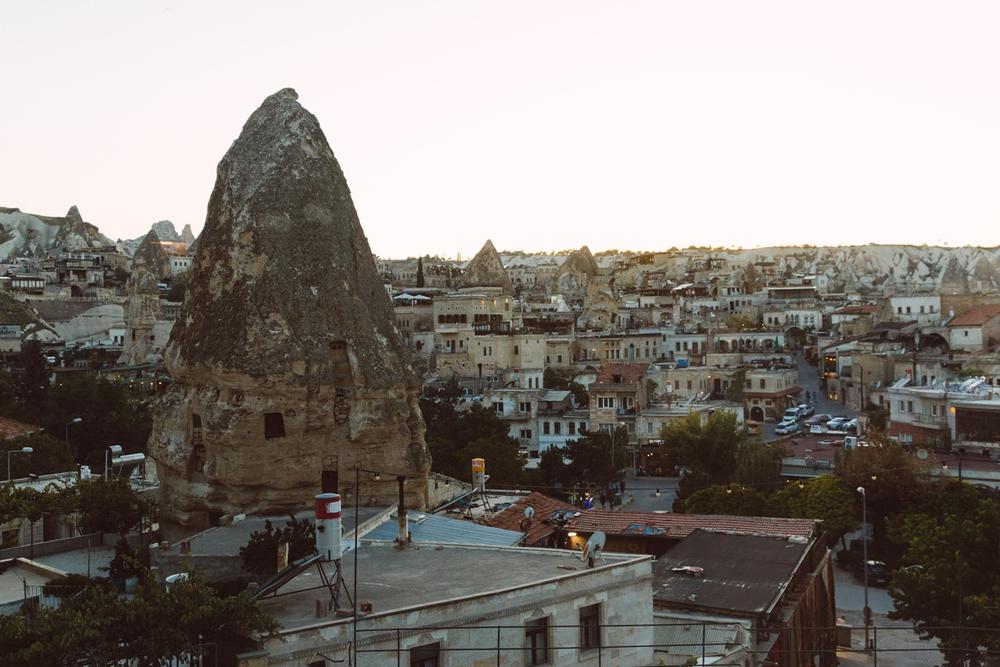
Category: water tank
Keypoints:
(328, 526)
(682, 363)
(479, 474)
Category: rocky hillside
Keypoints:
(899, 267)
(165, 231)
(31, 235)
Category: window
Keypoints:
(571, 428)
(605, 401)
(545, 428)
(909, 406)
(498, 408)
(525, 407)
(902, 406)
(536, 635)
(763, 383)
(525, 434)
(196, 421)
(425, 656)
(274, 425)
(515, 350)
(557, 427)
(559, 358)
(590, 627)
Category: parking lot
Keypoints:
(809, 381)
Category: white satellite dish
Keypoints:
(922, 454)
(594, 549)
(529, 512)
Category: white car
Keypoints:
(786, 427)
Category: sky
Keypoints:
(539, 125)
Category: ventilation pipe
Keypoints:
(328, 526)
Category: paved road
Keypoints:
(644, 493)
(809, 381)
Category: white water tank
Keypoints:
(328, 526)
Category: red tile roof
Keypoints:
(679, 526)
(977, 316)
(11, 428)
(630, 373)
(541, 525)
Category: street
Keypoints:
(643, 490)
(809, 381)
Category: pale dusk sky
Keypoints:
(540, 125)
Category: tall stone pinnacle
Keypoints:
(486, 270)
(286, 358)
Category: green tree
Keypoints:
(590, 457)
(260, 555)
(949, 564)
(504, 463)
(708, 450)
(732, 499)
(759, 464)
(49, 455)
(178, 287)
(34, 380)
(556, 378)
(98, 627)
(111, 506)
(828, 499)
(452, 432)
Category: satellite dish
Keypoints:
(529, 512)
(594, 549)
(922, 454)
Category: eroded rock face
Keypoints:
(285, 358)
(143, 308)
(486, 270)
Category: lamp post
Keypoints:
(864, 543)
(357, 531)
(23, 450)
(74, 420)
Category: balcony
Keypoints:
(929, 420)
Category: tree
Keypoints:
(451, 435)
(590, 457)
(505, 464)
(759, 464)
(828, 499)
(734, 394)
(178, 287)
(555, 378)
(111, 506)
(420, 272)
(732, 499)
(708, 450)
(260, 555)
(49, 455)
(949, 566)
(97, 627)
(891, 480)
(34, 381)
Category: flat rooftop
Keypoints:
(392, 578)
(227, 540)
(741, 573)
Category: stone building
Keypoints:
(285, 358)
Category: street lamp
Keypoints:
(864, 537)
(23, 450)
(75, 420)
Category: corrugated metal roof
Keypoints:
(678, 526)
(438, 529)
(684, 639)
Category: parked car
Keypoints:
(817, 429)
(851, 426)
(794, 413)
(787, 426)
(806, 409)
(878, 573)
(819, 419)
(836, 424)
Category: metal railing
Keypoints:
(762, 646)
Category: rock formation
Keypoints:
(574, 275)
(30, 235)
(143, 308)
(486, 270)
(187, 236)
(285, 358)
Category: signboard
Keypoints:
(10, 331)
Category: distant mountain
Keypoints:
(31, 235)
